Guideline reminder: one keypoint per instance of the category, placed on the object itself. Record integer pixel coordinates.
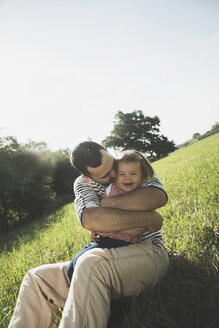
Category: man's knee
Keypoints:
(54, 271)
(91, 260)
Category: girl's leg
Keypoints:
(71, 266)
(43, 290)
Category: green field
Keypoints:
(189, 295)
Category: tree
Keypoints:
(9, 179)
(196, 136)
(25, 184)
(215, 128)
(64, 174)
(136, 131)
(33, 181)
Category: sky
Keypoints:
(68, 66)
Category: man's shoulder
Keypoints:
(79, 181)
(83, 182)
(154, 182)
(82, 179)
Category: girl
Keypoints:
(132, 171)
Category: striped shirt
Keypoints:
(88, 193)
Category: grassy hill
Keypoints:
(190, 176)
(188, 295)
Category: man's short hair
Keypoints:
(86, 154)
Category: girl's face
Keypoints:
(129, 176)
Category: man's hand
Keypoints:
(155, 222)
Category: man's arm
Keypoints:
(114, 220)
(141, 199)
(106, 219)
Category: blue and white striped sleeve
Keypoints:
(85, 196)
(155, 182)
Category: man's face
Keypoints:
(105, 172)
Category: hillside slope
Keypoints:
(188, 296)
(190, 176)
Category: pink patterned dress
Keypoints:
(113, 190)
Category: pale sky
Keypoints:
(68, 66)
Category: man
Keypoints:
(100, 274)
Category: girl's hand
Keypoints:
(94, 236)
(105, 234)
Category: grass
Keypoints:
(189, 295)
(190, 176)
(52, 239)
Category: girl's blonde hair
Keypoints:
(133, 156)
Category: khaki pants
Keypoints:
(100, 275)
